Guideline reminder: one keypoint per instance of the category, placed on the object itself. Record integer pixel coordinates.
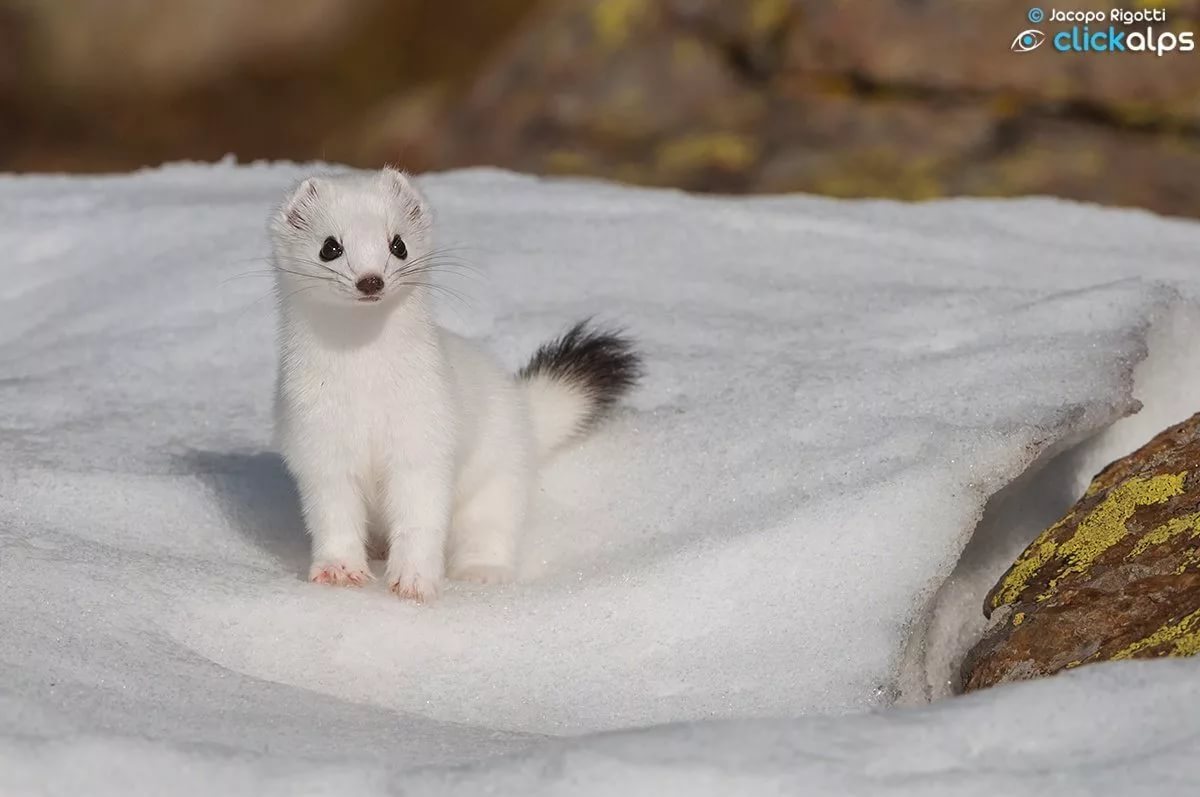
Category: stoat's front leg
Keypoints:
(417, 510)
(335, 515)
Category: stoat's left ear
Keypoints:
(416, 209)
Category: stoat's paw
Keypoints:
(482, 574)
(411, 585)
(339, 574)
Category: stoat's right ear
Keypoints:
(297, 211)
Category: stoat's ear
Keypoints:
(297, 211)
(414, 206)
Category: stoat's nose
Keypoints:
(370, 284)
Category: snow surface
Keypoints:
(835, 392)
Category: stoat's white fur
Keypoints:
(400, 435)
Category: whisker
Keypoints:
(441, 256)
(443, 266)
(273, 262)
(435, 268)
(309, 262)
(444, 263)
(435, 287)
(439, 253)
(245, 274)
(296, 260)
(241, 315)
(299, 290)
(307, 276)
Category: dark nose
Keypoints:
(370, 285)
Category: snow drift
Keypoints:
(834, 392)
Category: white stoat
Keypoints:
(401, 435)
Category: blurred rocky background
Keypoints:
(911, 98)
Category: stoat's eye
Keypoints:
(330, 250)
(398, 248)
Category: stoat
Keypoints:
(400, 435)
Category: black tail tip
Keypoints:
(601, 363)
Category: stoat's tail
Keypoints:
(574, 381)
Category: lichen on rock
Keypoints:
(1117, 577)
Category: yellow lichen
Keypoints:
(727, 151)
(1173, 527)
(687, 53)
(1018, 618)
(1005, 105)
(1133, 113)
(624, 116)
(614, 20)
(1190, 559)
(1183, 636)
(1029, 563)
(563, 161)
(767, 15)
(879, 171)
(634, 173)
(1103, 527)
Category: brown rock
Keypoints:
(1117, 578)
(946, 47)
(854, 98)
(97, 85)
(851, 98)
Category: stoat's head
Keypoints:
(352, 240)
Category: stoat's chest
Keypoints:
(371, 380)
(365, 393)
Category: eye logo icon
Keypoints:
(1027, 41)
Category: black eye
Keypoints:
(331, 250)
(398, 248)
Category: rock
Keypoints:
(854, 98)
(99, 85)
(1117, 578)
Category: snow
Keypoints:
(755, 550)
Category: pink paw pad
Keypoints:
(415, 589)
(339, 575)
